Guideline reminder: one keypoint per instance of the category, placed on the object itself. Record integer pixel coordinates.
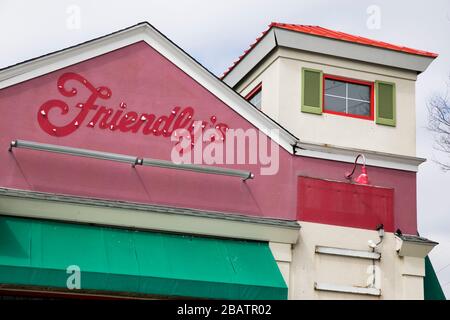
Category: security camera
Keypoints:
(372, 244)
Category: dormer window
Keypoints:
(323, 93)
(348, 97)
(255, 96)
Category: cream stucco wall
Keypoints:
(397, 277)
(280, 74)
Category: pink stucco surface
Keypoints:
(149, 83)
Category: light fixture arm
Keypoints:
(349, 175)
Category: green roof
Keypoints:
(432, 287)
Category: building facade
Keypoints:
(93, 205)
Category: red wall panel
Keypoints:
(345, 204)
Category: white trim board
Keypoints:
(348, 155)
(349, 253)
(347, 289)
(38, 205)
(147, 33)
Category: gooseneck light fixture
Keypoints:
(245, 175)
(363, 178)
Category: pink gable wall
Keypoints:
(149, 83)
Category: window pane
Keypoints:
(335, 104)
(256, 99)
(335, 88)
(359, 108)
(358, 91)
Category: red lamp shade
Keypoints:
(363, 178)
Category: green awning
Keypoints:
(37, 253)
(432, 287)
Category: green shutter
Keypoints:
(312, 91)
(386, 105)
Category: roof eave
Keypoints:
(279, 37)
(348, 155)
(140, 216)
(251, 59)
(353, 51)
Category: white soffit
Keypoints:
(413, 246)
(145, 32)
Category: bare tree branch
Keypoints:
(439, 124)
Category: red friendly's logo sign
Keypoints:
(92, 115)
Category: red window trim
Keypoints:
(350, 80)
(254, 92)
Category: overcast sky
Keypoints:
(217, 32)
